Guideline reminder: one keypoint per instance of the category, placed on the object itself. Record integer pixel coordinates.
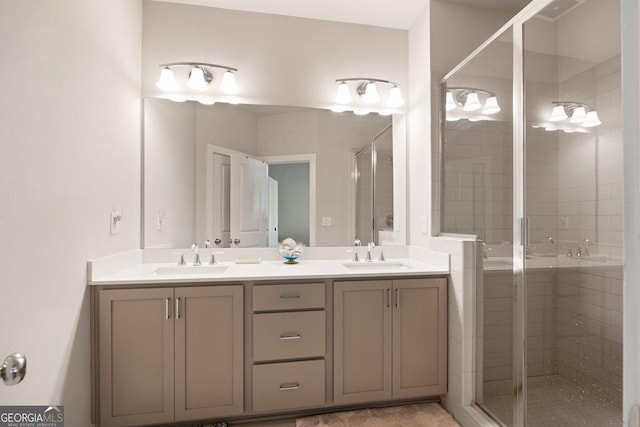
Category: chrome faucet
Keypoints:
(181, 259)
(196, 260)
(207, 243)
(550, 239)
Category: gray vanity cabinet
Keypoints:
(170, 354)
(390, 339)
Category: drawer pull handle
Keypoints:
(290, 337)
(285, 387)
(289, 298)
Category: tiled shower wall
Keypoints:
(574, 314)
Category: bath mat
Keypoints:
(416, 415)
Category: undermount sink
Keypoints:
(191, 269)
(375, 265)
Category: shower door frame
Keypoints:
(520, 221)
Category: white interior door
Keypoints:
(273, 213)
(220, 213)
(249, 201)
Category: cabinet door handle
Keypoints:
(295, 336)
(289, 298)
(177, 308)
(167, 315)
(397, 298)
(291, 386)
(388, 298)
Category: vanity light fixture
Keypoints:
(200, 77)
(468, 100)
(581, 114)
(367, 89)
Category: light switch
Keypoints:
(326, 221)
(115, 218)
(159, 220)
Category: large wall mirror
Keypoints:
(252, 175)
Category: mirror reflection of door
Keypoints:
(249, 201)
(293, 200)
(221, 207)
(237, 199)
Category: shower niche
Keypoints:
(539, 183)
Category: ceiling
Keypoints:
(399, 14)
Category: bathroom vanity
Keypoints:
(237, 341)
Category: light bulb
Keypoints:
(450, 104)
(228, 84)
(591, 119)
(395, 97)
(343, 96)
(472, 103)
(360, 112)
(558, 114)
(167, 80)
(197, 80)
(579, 115)
(206, 100)
(491, 106)
(371, 95)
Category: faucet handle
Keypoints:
(181, 259)
(357, 242)
(213, 260)
(381, 256)
(207, 243)
(355, 255)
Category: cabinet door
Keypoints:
(419, 337)
(209, 352)
(136, 357)
(362, 334)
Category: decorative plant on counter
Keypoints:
(290, 250)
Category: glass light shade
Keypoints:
(360, 112)
(371, 95)
(167, 80)
(472, 103)
(568, 130)
(395, 97)
(592, 119)
(579, 115)
(343, 96)
(558, 114)
(385, 112)
(206, 100)
(453, 118)
(338, 109)
(550, 128)
(177, 98)
(450, 104)
(491, 106)
(197, 80)
(475, 119)
(228, 84)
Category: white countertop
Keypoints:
(135, 271)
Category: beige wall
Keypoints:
(69, 151)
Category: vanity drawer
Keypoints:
(288, 335)
(288, 297)
(288, 385)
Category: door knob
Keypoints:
(13, 369)
(236, 241)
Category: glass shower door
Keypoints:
(573, 202)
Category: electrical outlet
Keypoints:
(115, 218)
(326, 221)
